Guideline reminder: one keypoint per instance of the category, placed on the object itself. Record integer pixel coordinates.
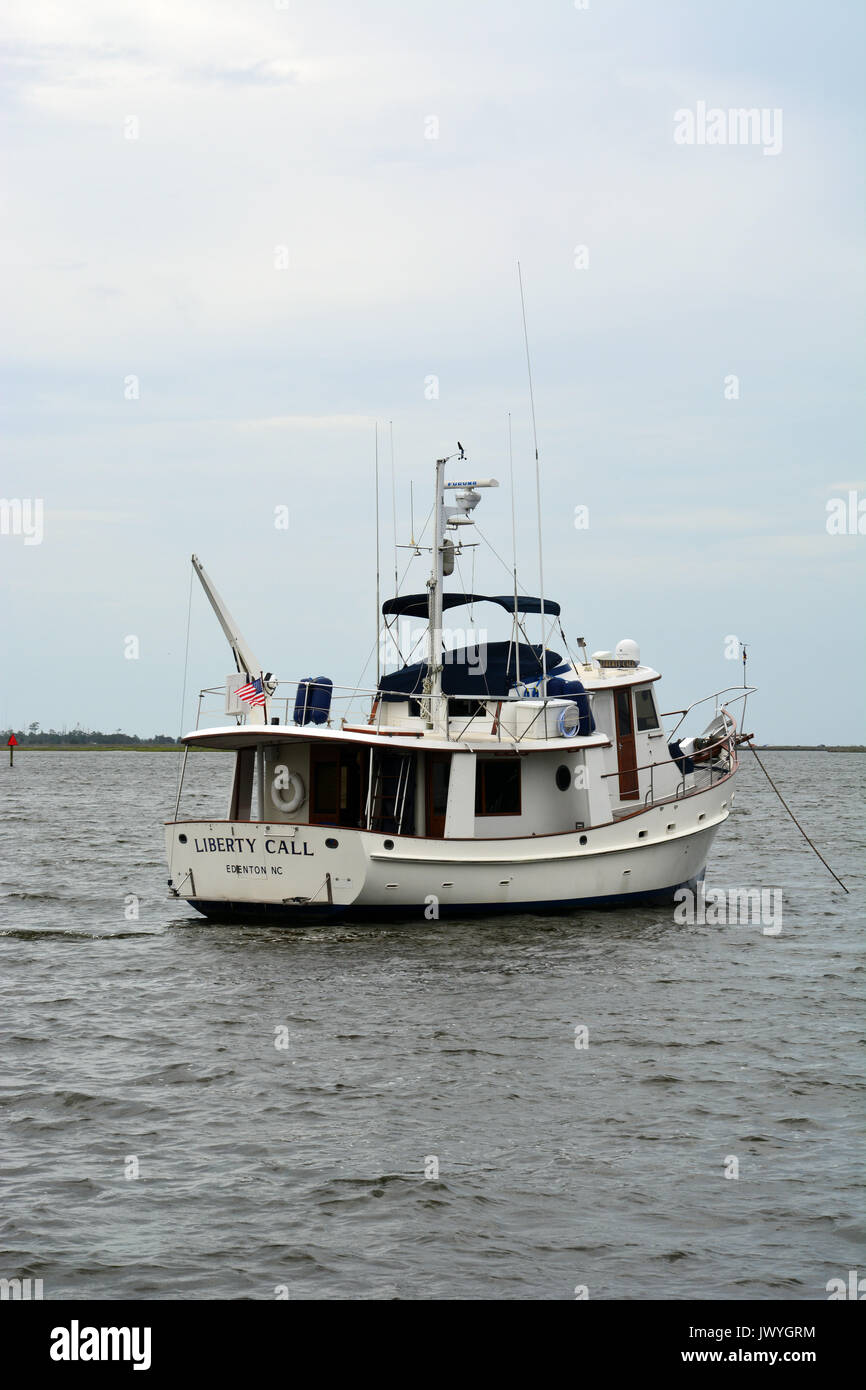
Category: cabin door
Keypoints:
(625, 746)
(436, 792)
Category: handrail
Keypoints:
(344, 701)
(346, 695)
(642, 767)
(481, 700)
(742, 692)
(355, 690)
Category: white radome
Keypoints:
(628, 649)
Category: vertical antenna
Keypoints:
(433, 682)
(412, 511)
(537, 473)
(472, 586)
(378, 647)
(394, 506)
(515, 629)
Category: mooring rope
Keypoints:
(794, 818)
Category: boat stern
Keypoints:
(223, 864)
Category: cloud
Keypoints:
(307, 422)
(263, 137)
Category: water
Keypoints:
(303, 1168)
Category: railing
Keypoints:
(742, 693)
(705, 755)
(280, 707)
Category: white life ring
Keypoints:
(292, 797)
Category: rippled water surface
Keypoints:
(152, 1040)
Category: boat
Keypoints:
(490, 778)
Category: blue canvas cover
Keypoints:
(487, 671)
(416, 605)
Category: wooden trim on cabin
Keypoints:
(381, 733)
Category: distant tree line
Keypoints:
(34, 736)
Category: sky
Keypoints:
(238, 236)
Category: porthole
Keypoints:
(388, 844)
(563, 777)
(582, 840)
(181, 839)
(331, 843)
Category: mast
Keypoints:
(433, 683)
(537, 483)
(515, 627)
(465, 499)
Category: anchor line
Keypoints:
(809, 842)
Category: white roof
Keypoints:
(237, 736)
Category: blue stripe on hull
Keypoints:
(275, 914)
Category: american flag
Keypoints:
(253, 693)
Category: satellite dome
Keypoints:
(629, 651)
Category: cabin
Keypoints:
(508, 763)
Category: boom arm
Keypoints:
(245, 658)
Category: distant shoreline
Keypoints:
(98, 748)
(811, 747)
(176, 748)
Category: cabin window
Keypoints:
(563, 777)
(645, 710)
(466, 709)
(338, 777)
(497, 787)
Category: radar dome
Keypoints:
(628, 650)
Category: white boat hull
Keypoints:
(294, 871)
